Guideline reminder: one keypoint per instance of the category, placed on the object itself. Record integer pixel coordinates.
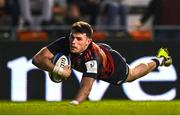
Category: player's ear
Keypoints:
(89, 40)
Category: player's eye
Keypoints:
(79, 38)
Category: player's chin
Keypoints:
(74, 51)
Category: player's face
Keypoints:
(79, 42)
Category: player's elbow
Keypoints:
(41, 57)
(36, 60)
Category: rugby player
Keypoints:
(95, 61)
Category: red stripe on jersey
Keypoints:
(106, 60)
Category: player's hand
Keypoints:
(66, 71)
(74, 102)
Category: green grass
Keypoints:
(104, 107)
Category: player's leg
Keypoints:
(140, 70)
(163, 59)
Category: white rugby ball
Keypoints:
(59, 60)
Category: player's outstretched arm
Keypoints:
(43, 59)
(85, 89)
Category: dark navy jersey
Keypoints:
(98, 61)
(95, 62)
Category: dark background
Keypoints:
(36, 86)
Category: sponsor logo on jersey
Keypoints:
(91, 66)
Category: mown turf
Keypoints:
(105, 107)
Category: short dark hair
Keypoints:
(82, 27)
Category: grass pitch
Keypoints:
(104, 107)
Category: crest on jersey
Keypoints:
(91, 66)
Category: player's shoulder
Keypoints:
(63, 38)
(90, 52)
(60, 44)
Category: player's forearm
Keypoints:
(43, 64)
(82, 94)
(85, 89)
(43, 60)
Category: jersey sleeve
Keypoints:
(91, 69)
(91, 62)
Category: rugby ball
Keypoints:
(59, 60)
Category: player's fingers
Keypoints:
(66, 67)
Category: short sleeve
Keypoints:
(91, 69)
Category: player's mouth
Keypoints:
(73, 47)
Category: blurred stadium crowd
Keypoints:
(134, 20)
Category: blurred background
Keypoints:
(136, 28)
(129, 20)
